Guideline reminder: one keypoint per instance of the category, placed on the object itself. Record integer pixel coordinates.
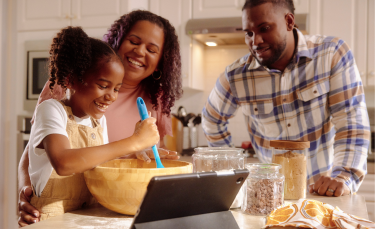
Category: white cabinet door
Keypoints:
(371, 44)
(217, 8)
(43, 14)
(338, 21)
(359, 34)
(178, 17)
(232, 8)
(346, 19)
(56, 14)
(97, 13)
(301, 6)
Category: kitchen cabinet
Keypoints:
(52, 14)
(352, 21)
(191, 51)
(232, 8)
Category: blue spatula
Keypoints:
(144, 114)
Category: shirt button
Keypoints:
(93, 136)
(256, 109)
(284, 100)
(289, 125)
(71, 117)
(315, 91)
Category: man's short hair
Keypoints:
(288, 4)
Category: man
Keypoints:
(295, 87)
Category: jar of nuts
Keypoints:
(264, 189)
(291, 155)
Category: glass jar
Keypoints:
(291, 155)
(208, 159)
(264, 189)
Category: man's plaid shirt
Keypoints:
(318, 98)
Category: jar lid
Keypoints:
(218, 152)
(285, 144)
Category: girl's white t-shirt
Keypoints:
(50, 118)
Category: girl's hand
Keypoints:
(145, 155)
(146, 134)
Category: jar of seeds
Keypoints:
(264, 190)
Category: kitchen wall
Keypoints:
(215, 59)
(8, 84)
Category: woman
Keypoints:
(149, 47)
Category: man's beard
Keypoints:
(276, 51)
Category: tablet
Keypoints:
(182, 195)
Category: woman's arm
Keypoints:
(67, 161)
(27, 213)
(23, 170)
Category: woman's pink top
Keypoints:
(123, 114)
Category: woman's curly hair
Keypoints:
(73, 54)
(169, 87)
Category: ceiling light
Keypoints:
(211, 43)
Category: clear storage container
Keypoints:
(208, 159)
(291, 155)
(264, 189)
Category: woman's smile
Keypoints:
(135, 63)
(141, 51)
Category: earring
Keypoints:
(158, 77)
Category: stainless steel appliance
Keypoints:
(37, 56)
(371, 150)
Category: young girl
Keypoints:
(69, 136)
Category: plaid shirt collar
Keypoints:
(301, 51)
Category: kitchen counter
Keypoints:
(97, 216)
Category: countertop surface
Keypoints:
(97, 216)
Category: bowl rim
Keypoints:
(100, 167)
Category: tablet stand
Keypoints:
(214, 220)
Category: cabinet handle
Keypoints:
(70, 16)
(362, 73)
(372, 73)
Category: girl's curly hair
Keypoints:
(73, 54)
(169, 87)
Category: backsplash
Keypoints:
(215, 61)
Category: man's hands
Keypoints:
(328, 186)
(27, 213)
